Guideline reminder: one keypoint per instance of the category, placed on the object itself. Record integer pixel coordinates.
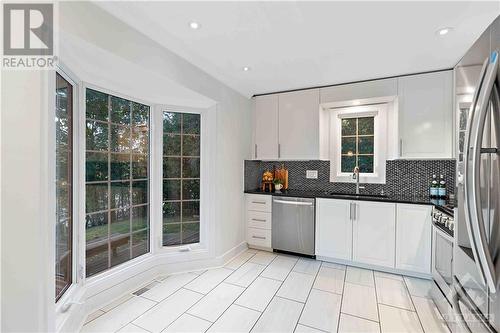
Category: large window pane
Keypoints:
(181, 178)
(64, 186)
(117, 175)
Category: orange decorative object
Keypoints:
(267, 176)
(282, 174)
(267, 181)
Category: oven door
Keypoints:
(442, 261)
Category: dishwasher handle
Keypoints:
(295, 203)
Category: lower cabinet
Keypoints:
(395, 236)
(259, 220)
(333, 229)
(374, 232)
(413, 238)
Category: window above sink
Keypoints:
(358, 138)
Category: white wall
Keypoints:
(26, 288)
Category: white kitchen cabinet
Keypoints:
(374, 232)
(299, 125)
(413, 238)
(259, 220)
(266, 128)
(333, 229)
(359, 91)
(426, 115)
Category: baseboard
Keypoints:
(375, 267)
(100, 293)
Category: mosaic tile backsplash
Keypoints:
(403, 177)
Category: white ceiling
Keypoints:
(291, 45)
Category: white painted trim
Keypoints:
(379, 112)
(374, 267)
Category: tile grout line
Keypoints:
(352, 315)
(142, 328)
(314, 328)
(413, 304)
(396, 307)
(309, 293)
(376, 300)
(341, 300)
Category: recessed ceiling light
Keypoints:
(194, 25)
(443, 31)
(246, 69)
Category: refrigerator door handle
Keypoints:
(459, 294)
(479, 231)
(468, 194)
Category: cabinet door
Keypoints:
(266, 128)
(299, 125)
(413, 238)
(333, 229)
(374, 233)
(426, 115)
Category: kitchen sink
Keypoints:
(373, 195)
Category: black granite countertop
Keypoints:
(419, 200)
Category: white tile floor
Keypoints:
(267, 292)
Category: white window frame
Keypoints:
(207, 162)
(62, 70)
(152, 205)
(379, 112)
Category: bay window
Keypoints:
(181, 178)
(64, 185)
(116, 180)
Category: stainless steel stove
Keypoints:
(442, 258)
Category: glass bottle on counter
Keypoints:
(442, 187)
(433, 191)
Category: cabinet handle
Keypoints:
(279, 150)
(259, 202)
(259, 220)
(400, 147)
(259, 237)
(255, 151)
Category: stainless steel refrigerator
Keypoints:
(476, 268)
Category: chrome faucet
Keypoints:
(355, 175)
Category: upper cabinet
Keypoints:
(287, 126)
(299, 125)
(426, 115)
(266, 127)
(296, 125)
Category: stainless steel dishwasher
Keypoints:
(293, 225)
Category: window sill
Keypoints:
(363, 179)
